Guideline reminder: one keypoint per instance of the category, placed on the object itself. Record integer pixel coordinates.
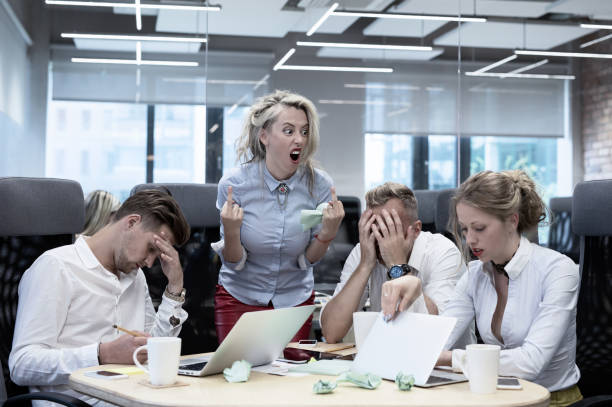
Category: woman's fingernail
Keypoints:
(386, 317)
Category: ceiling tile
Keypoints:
(596, 9)
(402, 28)
(510, 35)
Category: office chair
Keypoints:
(37, 214)
(200, 263)
(426, 201)
(442, 212)
(591, 215)
(327, 271)
(560, 235)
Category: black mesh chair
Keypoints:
(426, 200)
(560, 235)
(327, 272)
(442, 214)
(591, 221)
(37, 214)
(200, 264)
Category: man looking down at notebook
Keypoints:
(71, 297)
(392, 244)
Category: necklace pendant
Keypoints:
(283, 188)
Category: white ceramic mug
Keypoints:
(163, 354)
(480, 364)
(362, 324)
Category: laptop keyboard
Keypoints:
(437, 379)
(193, 366)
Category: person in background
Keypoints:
(100, 206)
(71, 296)
(267, 257)
(523, 296)
(391, 244)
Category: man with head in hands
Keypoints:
(392, 244)
(71, 297)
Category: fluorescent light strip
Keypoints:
(598, 26)
(605, 37)
(380, 86)
(529, 67)
(563, 54)
(213, 128)
(235, 105)
(261, 81)
(361, 102)
(333, 68)
(366, 46)
(132, 37)
(284, 59)
(139, 53)
(496, 64)
(316, 26)
(132, 62)
(138, 16)
(130, 5)
(520, 75)
(409, 16)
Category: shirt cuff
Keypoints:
(170, 307)
(89, 354)
(218, 248)
(457, 359)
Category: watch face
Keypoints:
(396, 271)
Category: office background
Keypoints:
(440, 115)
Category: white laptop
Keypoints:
(258, 337)
(411, 343)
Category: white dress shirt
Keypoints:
(440, 266)
(539, 322)
(68, 303)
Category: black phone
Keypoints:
(508, 383)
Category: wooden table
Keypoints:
(269, 390)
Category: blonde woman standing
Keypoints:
(522, 296)
(267, 257)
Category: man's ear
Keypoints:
(417, 226)
(132, 220)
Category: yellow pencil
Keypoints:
(127, 331)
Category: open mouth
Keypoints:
(295, 155)
(477, 252)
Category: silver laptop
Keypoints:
(258, 337)
(411, 343)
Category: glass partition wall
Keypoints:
(414, 91)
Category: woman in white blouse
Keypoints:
(523, 296)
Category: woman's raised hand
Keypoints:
(231, 214)
(332, 218)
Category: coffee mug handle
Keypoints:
(136, 362)
(463, 365)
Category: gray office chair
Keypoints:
(442, 212)
(561, 237)
(200, 263)
(37, 214)
(591, 221)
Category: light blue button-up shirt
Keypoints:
(271, 235)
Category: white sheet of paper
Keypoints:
(411, 343)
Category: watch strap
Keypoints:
(180, 297)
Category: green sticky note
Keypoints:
(309, 218)
(239, 372)
(323, 387)
(404, 381)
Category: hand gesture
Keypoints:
(394, 246)
(231, 214)
(367, 239)
(121, 349)
(170, 262)
(332, 217)
(399, 294)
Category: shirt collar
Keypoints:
(273, 183)
(418, 251)
(90, 260)
(518, 262)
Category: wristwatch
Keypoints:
(176, 297)
(398, 270)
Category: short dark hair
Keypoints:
(158, 208)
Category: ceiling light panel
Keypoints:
(378, 54)
(402, 28)
(339, 24)
(132, 6)
(564, 54)
(147, 46)
(334, 68)
(510, 35)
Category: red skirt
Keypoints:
(228, 310)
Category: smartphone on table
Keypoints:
(508, 383)
(106, 375)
